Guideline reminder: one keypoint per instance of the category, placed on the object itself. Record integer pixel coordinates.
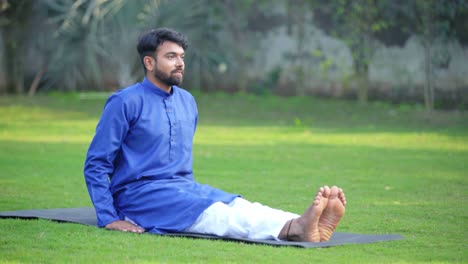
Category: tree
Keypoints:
(72, 41)
(356, 23)
(202, 21)
(86, 43)
(91, 40)
(14, 23)
(431, 20)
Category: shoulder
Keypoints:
(127, 101)
(182, 93)
(130, 95)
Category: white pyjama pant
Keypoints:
(241, 219)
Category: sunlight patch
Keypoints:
(213, 135)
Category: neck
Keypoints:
(158, 83)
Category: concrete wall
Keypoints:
(320, 60)
(405, 66)
(313, 62)
(327, 62)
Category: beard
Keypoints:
(169, 79)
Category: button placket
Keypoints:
(172, 131)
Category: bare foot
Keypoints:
(332, 214)
(306, 227)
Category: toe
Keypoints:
(326, 191)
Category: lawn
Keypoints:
(403, 173)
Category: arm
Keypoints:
(99, 165)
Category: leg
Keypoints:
(306, 227)
(332, 214)
(252, 220)
(241, 219)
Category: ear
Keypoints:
(149, 62)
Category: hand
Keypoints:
(124, 226)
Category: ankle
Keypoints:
(286, 233)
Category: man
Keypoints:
(138, 169)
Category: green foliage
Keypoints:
(95, 29)
(356, 23)
(14, 22)
(266, 85)
(432, 21)
(78, 40)
(90, 44)
(81, 45)
(401, 173)
(360, 23)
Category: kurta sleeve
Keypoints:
(103, 150)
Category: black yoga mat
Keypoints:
(87, 216)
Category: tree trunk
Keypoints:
(363, 90)
(362, 72)
(35, 83)
(235, 28)
(15, 34)
(428, 87)
(13, 64)
(301, 48)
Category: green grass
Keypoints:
(402, 173)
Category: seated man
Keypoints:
(138, 169)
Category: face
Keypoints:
(168, 66)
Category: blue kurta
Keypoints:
(139, 164)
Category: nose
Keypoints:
(180, 62)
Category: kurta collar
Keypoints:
(155, 89)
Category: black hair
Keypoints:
(149, 42)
